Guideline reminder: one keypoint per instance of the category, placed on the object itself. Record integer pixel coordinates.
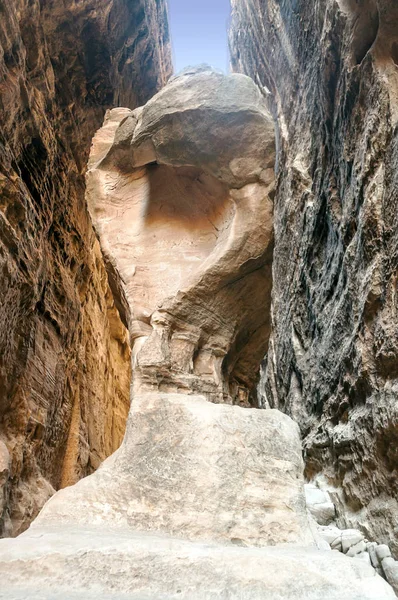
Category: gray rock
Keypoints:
(319, 504)
(371, 549)
(331, 68)
(390, 569)
(5, 467)
(331, 534)
(336, 544)
(365, 557)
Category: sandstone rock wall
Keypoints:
(330, 70)
(64, 352)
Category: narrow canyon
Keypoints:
(198, 320)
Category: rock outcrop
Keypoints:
(199, 491)
(186, 468)
(64, 352)
(330, 71)
(180, 193)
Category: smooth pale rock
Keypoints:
(364, 556)
(330, 534)
(103, 564)
(198, 470)
(336, 544)
(194, 469)
(357, 548)
(382, 551)
(319, 504)
(371, 549)
(349, 538)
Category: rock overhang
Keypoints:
(201, 118)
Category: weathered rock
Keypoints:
(192, 479)
(350, 538)
(371, 548)
(189, 251)
(319, 504)
(5, 464)
(186, 468)
(204, 119)
(194, 469)
(64, 353)
(331, 72)
(103, 564)
(382, 552)
(364, 556)
(358, 548)
(331, 534)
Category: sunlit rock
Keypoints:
(180, 192)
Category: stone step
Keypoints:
(87, 563)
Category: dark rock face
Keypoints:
(332, 70)
(64, 353)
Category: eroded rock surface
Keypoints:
(331, 70)
(64, 352)
(180, 192)
(93, 564)
(193, 469)
(193, 479)
(177, 512)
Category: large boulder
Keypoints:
(206, 119)
(177, 513)
(193, 469)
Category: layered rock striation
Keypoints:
(203, 499)
(330, 71)
(64, 351)
(180, 193)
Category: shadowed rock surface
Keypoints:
(331, 71)
(64, 353)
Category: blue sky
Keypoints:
(198, 31)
